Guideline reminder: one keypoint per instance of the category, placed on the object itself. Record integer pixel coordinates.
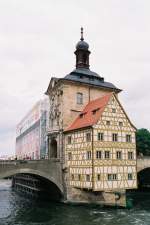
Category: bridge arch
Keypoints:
(48, 171)
(33, 172)
(143, 176)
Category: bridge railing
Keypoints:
(143, 157)
(15, 162)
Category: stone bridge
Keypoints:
(48, 169)
(143, 163)
(51, 170)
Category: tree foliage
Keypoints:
(143, 141)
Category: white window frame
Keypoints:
(79, 98)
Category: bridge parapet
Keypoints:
(15, 162)
(143, 162)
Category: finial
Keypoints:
(81, 34)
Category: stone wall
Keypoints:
(76, 195)
(70, 107)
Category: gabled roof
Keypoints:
(91, 113)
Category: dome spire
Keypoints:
(82, 53)
(82, 39)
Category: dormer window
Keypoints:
(79, 98)
(82, 115)
(91, 78)
(95, 111)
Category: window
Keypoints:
(98, 154)
(109, 176)
(91, 78)
(95, 111)
(130, 177)
(72, 176)
(82, 115)
(113, 110)
(88, 177)
(107, 154)
(79, 98)
(88, 136)
(69, 139)
(69, 156)
(120, 124)
(108, 123)
(52, 123)
(130, 155)
(115, 137)
(79, 177)
(128, 138)
(88, 155)
(119, 155)
(98, 177)
(57, 120)
(100, 136)
(112, 176)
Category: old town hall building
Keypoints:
(91, 134)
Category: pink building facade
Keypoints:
(31, 133)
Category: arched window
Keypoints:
(53, 149)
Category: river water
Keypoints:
(17, 210)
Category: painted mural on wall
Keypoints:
(31, 133)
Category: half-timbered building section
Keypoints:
(100, 149)
(79, 157)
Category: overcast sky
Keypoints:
(37, 41)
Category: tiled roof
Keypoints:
(86, 76)
(91, 113)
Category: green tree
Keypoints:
(143, 141)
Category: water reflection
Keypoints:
(17, 210)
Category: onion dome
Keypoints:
(82, 44)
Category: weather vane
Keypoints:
(82, 34)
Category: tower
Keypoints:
(82, 53)
(69, 95)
